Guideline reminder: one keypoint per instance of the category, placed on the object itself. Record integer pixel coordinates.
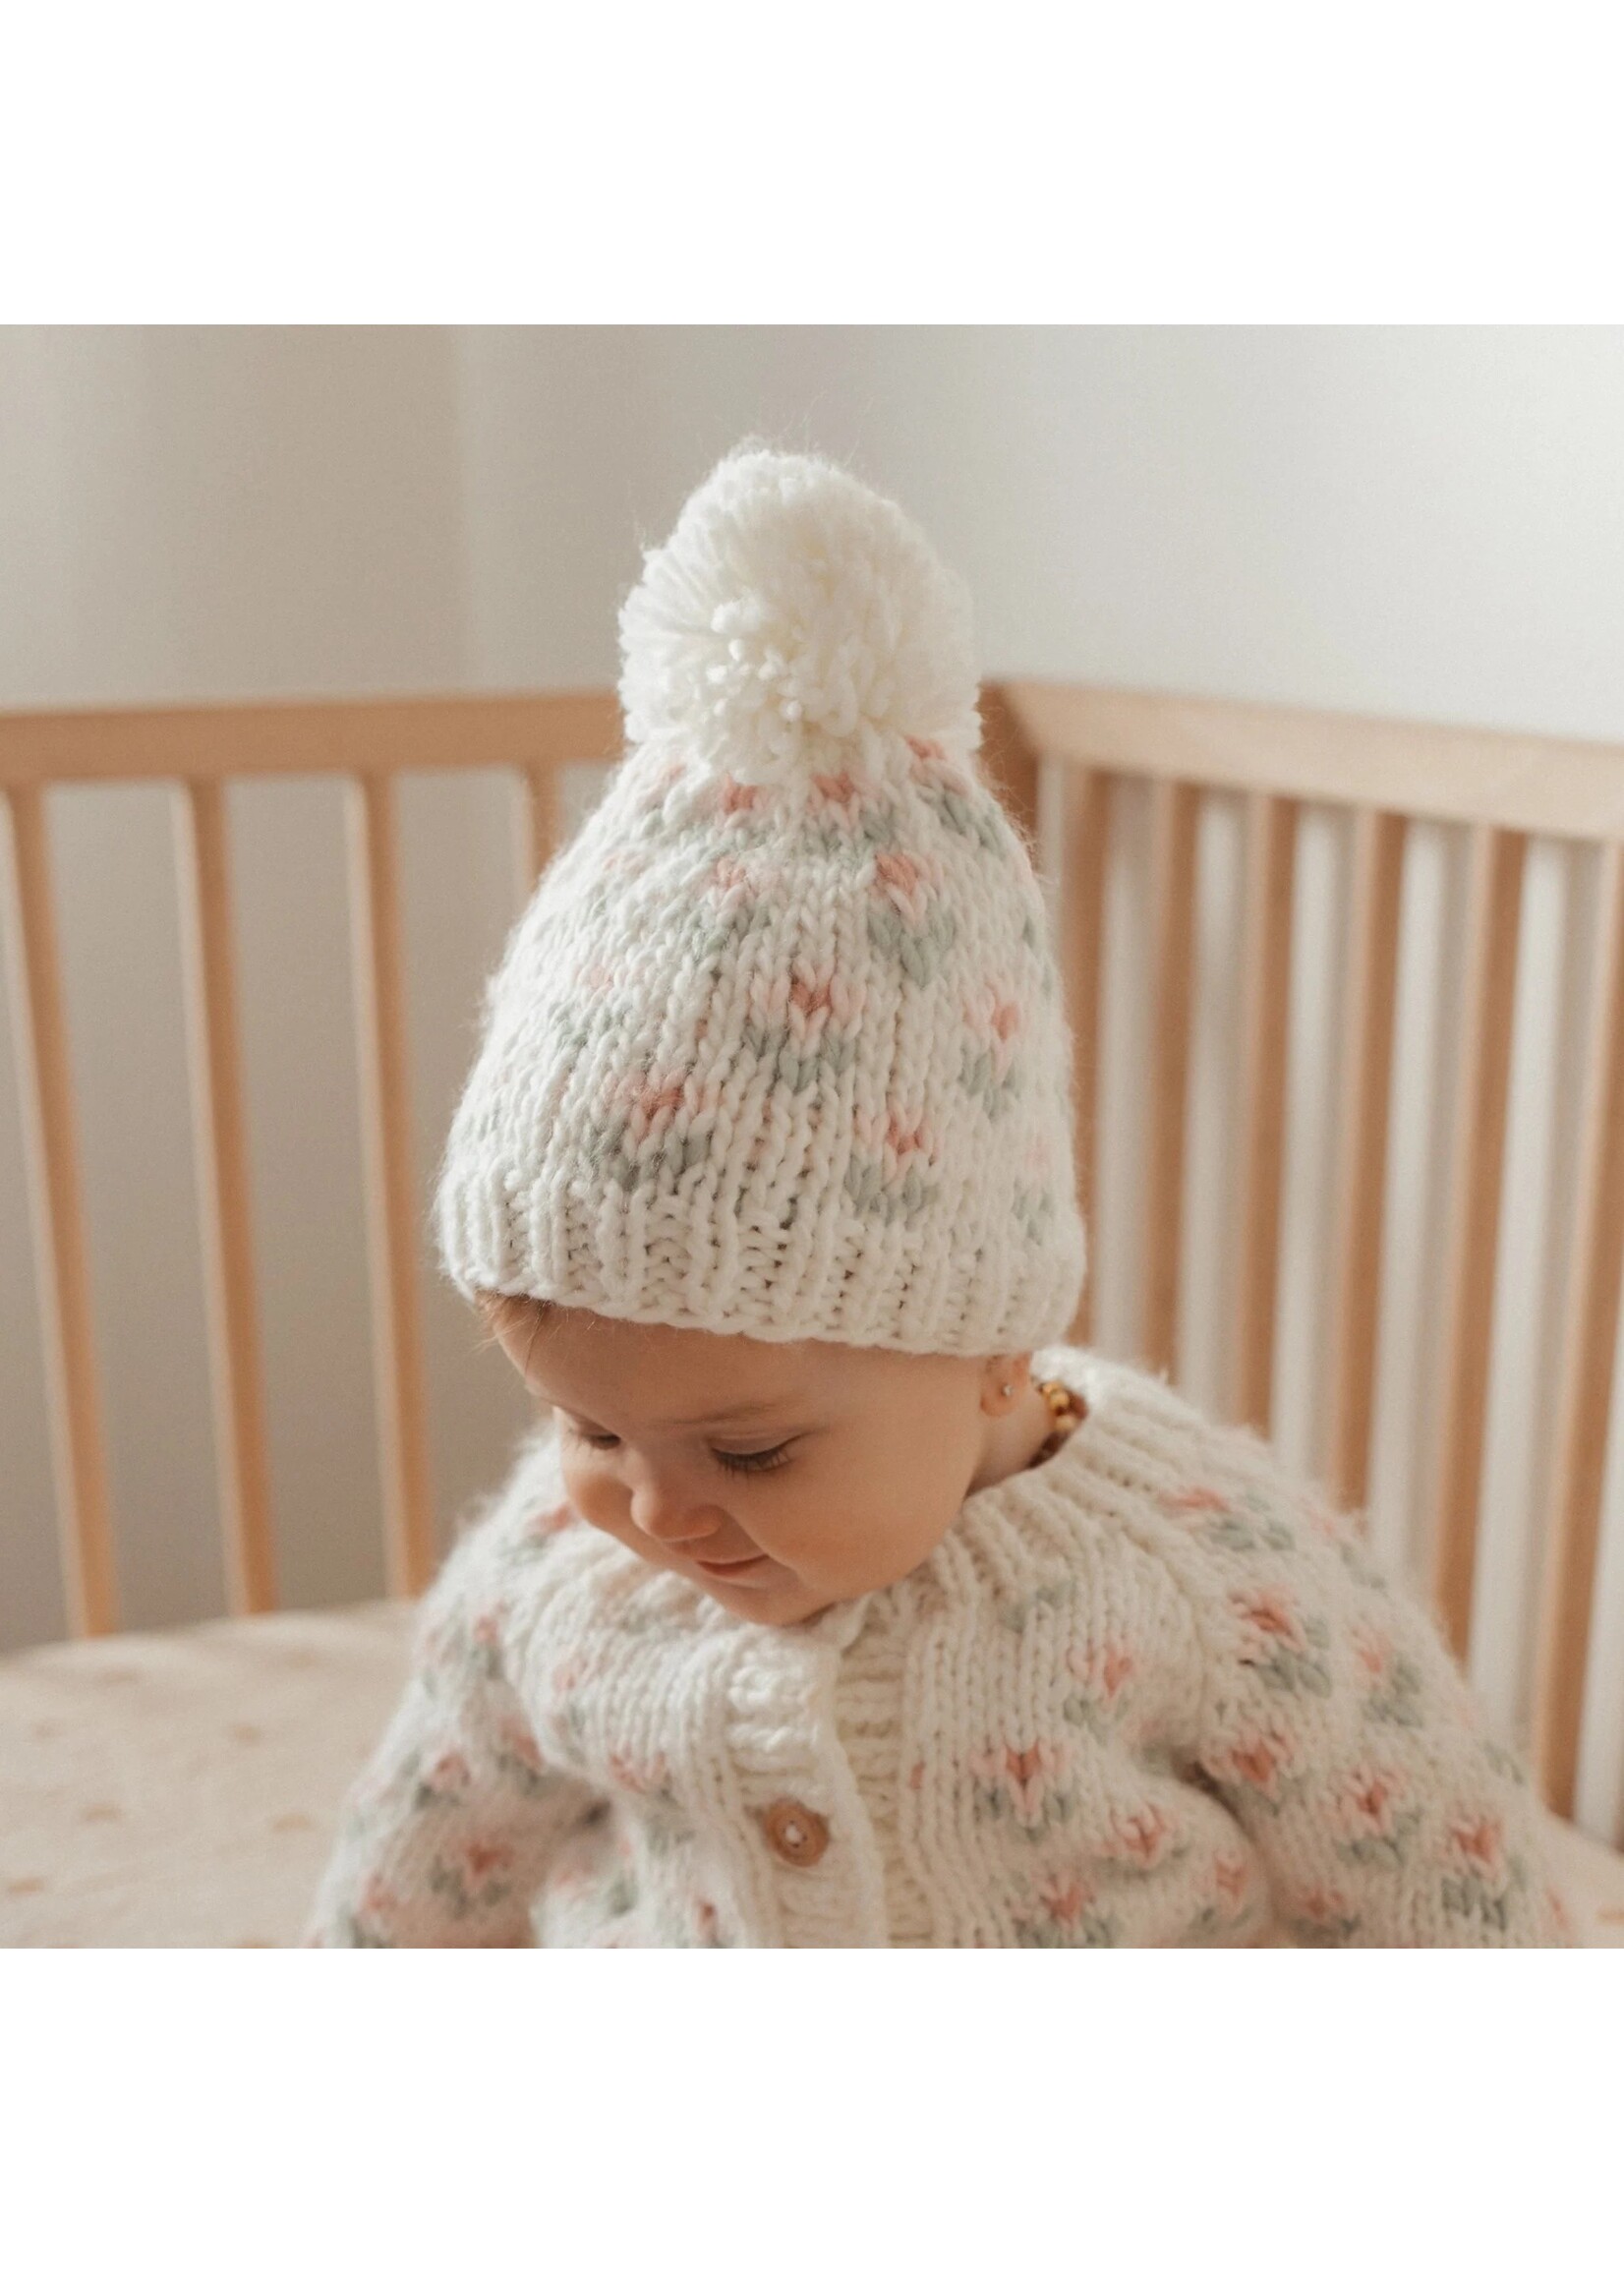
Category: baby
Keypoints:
(838, 1600)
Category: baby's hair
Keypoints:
(500, 1312)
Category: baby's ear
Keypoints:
(1002, 1382)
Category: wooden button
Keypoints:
(798, 1835)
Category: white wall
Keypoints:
(1421, 522)
(1424, 523)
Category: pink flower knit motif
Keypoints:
(954, 799)
(1101, 1671)
(736, 797)
(1066, 1896)
(1143, 1836)
(990, 1068)
(908, 918)
(1026, 1784)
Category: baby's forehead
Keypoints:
(676, 1376)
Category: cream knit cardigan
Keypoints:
(1151, 1692)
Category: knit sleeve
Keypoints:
(447, 1833)
(1336, 1726)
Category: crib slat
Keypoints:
(541, 831)
(1362, 1170)
(1473, 1228)
(45, 1086)
(203, 861)
(1271, 855)
(1174, 808)
(1589, 1335)
(391, 1215)
(1085, 843)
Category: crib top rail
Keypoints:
(1435, 773)
(353, 734)
(1558, 787)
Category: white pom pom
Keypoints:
(793, 623)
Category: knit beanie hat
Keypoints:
(778, 1048)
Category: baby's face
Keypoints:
(778, 1477)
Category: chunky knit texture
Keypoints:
(778, 1048)
(1152, 1692)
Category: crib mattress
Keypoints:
(183, 1788)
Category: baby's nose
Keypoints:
(669, 1518)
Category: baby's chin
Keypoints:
(781, 1598)
(787, 1603)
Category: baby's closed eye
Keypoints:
(754, 1464)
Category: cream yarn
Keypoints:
(778, 1048)
(796, 623)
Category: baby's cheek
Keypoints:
(871, 1542)
(594, 1495)
(907, 1528)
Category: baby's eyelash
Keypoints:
(754, 1464)
(741, 1464)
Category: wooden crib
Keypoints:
(182, 1786)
